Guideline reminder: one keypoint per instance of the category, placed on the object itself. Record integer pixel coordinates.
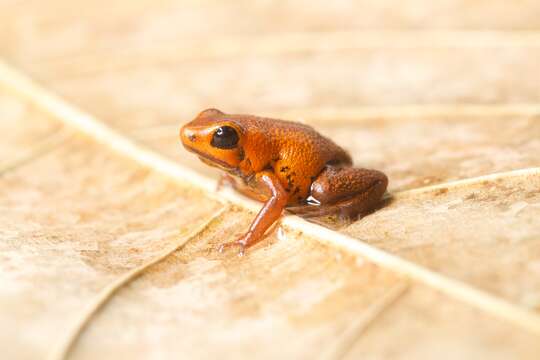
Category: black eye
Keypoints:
(225, 137)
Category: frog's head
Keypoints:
(216, 138)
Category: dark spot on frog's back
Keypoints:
(290, 181)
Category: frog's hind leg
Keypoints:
(346, 192)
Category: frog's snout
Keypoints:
(187, 135)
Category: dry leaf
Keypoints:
(447, 268)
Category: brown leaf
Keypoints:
(108, 235)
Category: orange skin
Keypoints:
(284, 164)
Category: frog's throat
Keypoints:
(210, 160)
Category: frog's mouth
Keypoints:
(210, 160)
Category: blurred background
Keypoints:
(146, 67)
(430, 92)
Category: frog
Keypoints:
(286, 165)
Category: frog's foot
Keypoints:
(348, 210)
(351, 209)
(241, 242)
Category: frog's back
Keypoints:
(296, 141)
(295, 152)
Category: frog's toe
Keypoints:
(241, 243)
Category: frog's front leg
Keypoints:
(345, 191)
(270, 212)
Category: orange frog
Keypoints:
(284, 164)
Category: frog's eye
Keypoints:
(225, 137)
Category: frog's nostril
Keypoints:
(187, 135)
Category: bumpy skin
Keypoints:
(284, 164)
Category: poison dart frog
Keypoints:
(287, 165)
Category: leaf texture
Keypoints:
(95, 189)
